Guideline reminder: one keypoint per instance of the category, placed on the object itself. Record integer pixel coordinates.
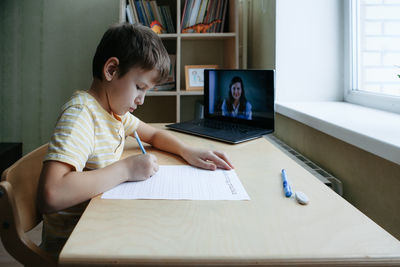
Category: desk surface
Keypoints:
(268, 229)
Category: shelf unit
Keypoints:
(220, 49)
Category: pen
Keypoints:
(286, 186)
(140, 143)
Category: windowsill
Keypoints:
(375, 131)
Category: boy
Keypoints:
(82, 160)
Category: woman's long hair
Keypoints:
(242, 99)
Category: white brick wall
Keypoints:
(380, 46)
(382, 12)
(392, 28)
(373, 27)
(380, 75)
(371, 58)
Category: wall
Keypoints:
(309, 50)
(47, 48)
(261, 34)
(309, 58)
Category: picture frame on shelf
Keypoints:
(194, 76)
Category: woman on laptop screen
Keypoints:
(236, 104)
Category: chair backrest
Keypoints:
(19, 212)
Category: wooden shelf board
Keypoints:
(161, 93)
(207, 36)
(168, 35)
(184, 92)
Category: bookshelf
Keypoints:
(220, 49)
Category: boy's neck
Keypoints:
(99, 92)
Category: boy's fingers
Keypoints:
(225, 158)
(221, 163)
(208, 165)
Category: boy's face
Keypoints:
(128, 92)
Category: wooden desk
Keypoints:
(267, 230)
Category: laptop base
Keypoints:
(234, 136)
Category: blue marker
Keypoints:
(286, 186)
(140, 143)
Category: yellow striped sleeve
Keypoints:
(130, 123)
(73, 138)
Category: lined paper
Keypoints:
(183, 182)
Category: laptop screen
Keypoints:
(240, 95)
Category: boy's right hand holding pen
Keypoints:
(140, 167)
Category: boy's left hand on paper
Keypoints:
(210, 160)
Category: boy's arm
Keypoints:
(165, 141)
(60, 186)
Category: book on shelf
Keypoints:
(219, 16)
(194, 12)
(221, 29)
(155, 11)
(202, 11)
(169, 18)
(129, 14)
(201, 16)
(170, 83)
(163, 87)
(148, 11)
(145, 16)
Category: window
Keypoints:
(374, 53)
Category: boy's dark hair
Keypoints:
(134, 46)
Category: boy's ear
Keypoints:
(110, 68)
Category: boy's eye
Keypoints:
(138, 87)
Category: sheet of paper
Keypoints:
(183, 182)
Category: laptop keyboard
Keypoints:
(223, 125)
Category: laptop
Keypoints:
(238, 106)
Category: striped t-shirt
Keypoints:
(86, 137)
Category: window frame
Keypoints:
(351, 92)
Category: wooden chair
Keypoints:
(18, 209)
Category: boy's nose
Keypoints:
(139, 100)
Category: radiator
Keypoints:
(328, 179)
